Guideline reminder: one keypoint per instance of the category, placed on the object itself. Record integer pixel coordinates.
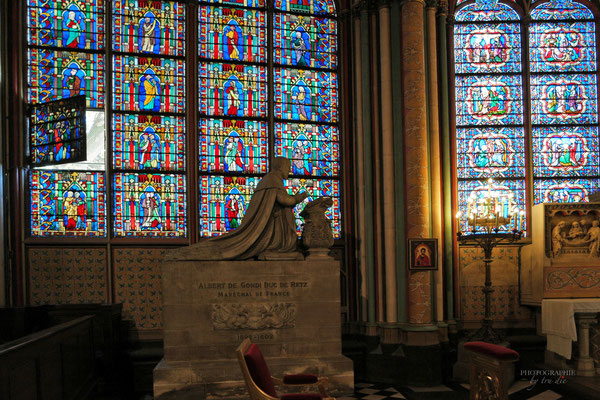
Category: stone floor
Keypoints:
(520, 390)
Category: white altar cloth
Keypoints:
(558, 322)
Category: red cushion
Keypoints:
(301, 396)
(493, 350)
(300, 379)
(259, 370)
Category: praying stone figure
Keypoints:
(558, 238)
(267, 231)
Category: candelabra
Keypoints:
(492, 218)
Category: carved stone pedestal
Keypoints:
(290, 308)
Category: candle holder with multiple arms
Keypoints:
(492, 219)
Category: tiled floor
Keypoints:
(520, 390)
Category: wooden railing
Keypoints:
(56, 363)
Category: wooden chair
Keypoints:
(261, 385)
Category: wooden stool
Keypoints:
(490, 366)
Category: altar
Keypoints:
(565, 321)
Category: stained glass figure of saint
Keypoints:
(73, 25)
(61, 151)
(301, 46)
(233, 97)
(235, 208)
(233, 39)
(73, 81)
(301, 102)
(149, 146)
(150, 209)
(149, 34)
(149, 97)
(74, 209)
(234, 153)
(302, 156)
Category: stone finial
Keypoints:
(317, 236)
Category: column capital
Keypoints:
(450, 20)
(404, 2)
(443, 7)
(431, 3)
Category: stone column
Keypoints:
(387, 155)
(418, 221)
(585, 363)
(359, 172)
(435, 156)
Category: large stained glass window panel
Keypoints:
(562, 46)
(304, 6)
(312, 149)
(65, 203)
(489, 100)
(153, 27)
(233, 34)
(233, 146)
(484, 152)
(562, 99)
(566, 151)
(564, 190)
(489, 47)
(303, 41)
(223, 202)
(306, 95)
(69, 24)
(53, 75)
(556, 10)
(317, 188)
(148, 142)
(148, 84)
(233, 90)
(149, 205)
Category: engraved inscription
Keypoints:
(253, 316)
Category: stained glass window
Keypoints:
(562, 121)
(240, 132)
(57, 132)
(489, 108)
(67, 203)
(148, 120)
(564, 105)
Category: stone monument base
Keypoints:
(291, 309)
(222, 379)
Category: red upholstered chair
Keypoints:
(260, 383)
(490, 369)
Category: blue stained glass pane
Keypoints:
(150, 205)
(317, 188)
(313, 149)
(66, 23)
(223, 202)
(233, 90)
(148, 142)
(154, 27)
(489, 100)
(233, 34)
(304, 41)
(557, 10)
(562, 46)
(564, 99)
(306, 95)
(239, 3)
(233, 146)
(564, 190)
(148, 84)
(66, 203)
(508, 187)
(306, 6)
(485, 48)
(486, 10)
(53, 75)
(490, 152)
(566, 151)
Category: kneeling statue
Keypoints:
(267, 231)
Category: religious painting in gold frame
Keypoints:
(422, 254)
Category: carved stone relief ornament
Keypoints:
(317, 236)
(253, 316)
(573, 230)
